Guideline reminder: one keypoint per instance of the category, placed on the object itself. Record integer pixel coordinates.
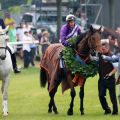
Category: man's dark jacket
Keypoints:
(2, 24)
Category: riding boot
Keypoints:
(14, 63)
(62, 67)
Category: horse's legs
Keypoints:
(72, 94)
(4, 90)
(81, 95)
(52, 102)
(52, 94)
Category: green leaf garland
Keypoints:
(88, 70)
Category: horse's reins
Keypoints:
(87, 57)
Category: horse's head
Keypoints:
(91, 41)
(3, 43)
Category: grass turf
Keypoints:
(27, 101)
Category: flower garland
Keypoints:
(88, 70)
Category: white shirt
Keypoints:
(26, 46)
(20, 33)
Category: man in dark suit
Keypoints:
(107, 81)
(13, 56)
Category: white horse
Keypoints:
(5, 69)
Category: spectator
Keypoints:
(83, 21)
(20, 34)
(113, 44)
(33, 49)
(26, 49)
(12, 35)
(27, 27)
(118, 30)
(8, 20)
(45, 41)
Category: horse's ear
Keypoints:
(99, 30)
(91, 28)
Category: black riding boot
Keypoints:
(14, 63)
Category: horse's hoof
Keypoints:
(50, 111)
(56, 112)
(70, 112)
(5, 114)
(82, 113)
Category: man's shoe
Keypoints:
(118, 81)
(114, 113)
(17, 71)
(107, 112)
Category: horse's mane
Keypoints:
(81, 36)
(82, 43)
(88, 40)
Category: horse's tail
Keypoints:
(43, 77)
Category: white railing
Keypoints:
(24, 42)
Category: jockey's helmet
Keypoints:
(70, 17)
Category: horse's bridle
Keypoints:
(3, 48)
(92, 49)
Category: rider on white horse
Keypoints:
(11, 50)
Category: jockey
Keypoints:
(11, 50)
(69, 30)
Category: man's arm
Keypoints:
(113, 58)
(113, 72)
(63, 36)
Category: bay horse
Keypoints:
(51, 71)
(5, 69)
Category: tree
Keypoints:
(59, 18)
(112, 13)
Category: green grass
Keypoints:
(27, 101)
